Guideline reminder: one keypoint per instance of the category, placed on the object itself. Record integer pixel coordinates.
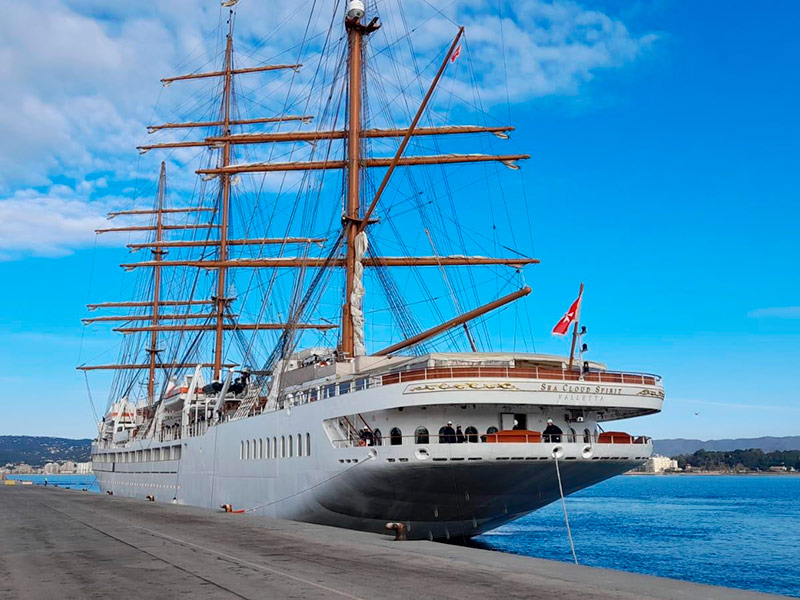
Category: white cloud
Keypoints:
(46, 225)
(80, 78)
(776, 312)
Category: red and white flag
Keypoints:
(455, 54)
(569, 317)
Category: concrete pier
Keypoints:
(64, 544)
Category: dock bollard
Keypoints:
(399, 531)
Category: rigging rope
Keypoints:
(91, 401)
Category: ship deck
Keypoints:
(68, 544)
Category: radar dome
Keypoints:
(355, 9)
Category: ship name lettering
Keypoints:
(569, 388)
(580, 398)
(599, 389)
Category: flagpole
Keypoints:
(575, 329)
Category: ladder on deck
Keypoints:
(247, 403)
(352, 432)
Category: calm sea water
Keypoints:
(72, 482)
(736, 531)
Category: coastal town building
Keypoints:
(659, 464)
(52, 468)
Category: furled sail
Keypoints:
(357, 296)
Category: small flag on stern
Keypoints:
(569, 317)
(456, 54)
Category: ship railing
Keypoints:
(534, 372)
(341, 388)
(169, 434)
(174, 433)
(605, 438)
(329, 390)
(196, 428)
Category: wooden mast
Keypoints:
(352, 218)
(221, 297)
(158, 255)
(355, 35)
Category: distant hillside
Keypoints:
(37, 451)
(767, 444)
(739, 460)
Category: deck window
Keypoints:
(472, 434)
(308, 444)
(396, 436)
(421, 436)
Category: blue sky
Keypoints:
(664, 176)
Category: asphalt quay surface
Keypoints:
(63, 544)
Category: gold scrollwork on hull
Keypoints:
(437, 387)
(652, 393)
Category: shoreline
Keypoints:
(718, 473)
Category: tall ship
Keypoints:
(276, 360)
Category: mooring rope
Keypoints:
(564, 506)
(316, 485)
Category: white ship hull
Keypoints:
(439, 490)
